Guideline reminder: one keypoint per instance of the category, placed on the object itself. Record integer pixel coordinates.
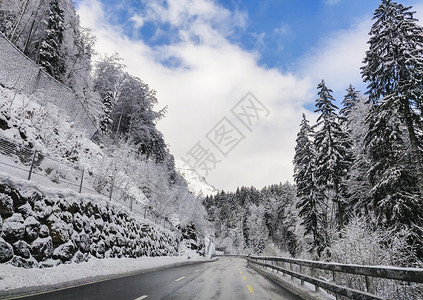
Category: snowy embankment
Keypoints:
(17, 280)
(14, 280)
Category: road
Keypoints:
(227, 278)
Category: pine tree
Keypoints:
(347, 118)
(358, 190)
(106, 120)
(49, 55)
(394, 192)
(331, 144)
(394, 72)
(310, 199)
(350, 100)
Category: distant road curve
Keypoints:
(226, 278)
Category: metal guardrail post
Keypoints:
(334, 281)
(290, 267)
(111, 188)
(82, 180)
(32, 165)
(301, 271)
(313, 274)
(369, 285)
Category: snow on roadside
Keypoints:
(12, 277)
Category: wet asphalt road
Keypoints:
(226, 278)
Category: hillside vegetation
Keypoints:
(127, 148)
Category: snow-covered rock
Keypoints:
(65, 252)
(26, 263)
(44, 231)
(22, 249)
(32, 228)
(13, 228)
(42, 248)
(6, 251)
(59, 230)
(6, 205)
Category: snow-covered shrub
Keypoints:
(272, 250)
(258, 233)
(358, 244)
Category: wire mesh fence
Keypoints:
(25, 163)
(21, 74)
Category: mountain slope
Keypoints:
(197, 184)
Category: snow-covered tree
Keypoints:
(257, 230)
(358, 191)
(394, 72)
(348, 103)
(49, 54)
(311, 200)
(21, 21)
(132, 116)
(34, 27)
(281, 215)
(395, 196)
(331, 145)
(106, 120)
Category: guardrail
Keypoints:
(408, 275)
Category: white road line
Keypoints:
(197, 271)
(142, 297)
(180, 278)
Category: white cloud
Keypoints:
(138, 21)
(212, 77)
(192, 15)
(331, 2)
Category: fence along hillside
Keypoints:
(21, 74)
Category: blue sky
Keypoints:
(282, 31)
(203, 56)
(292, 27)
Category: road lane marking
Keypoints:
(142, 297)
(240, 272)
(250, 289)
(197, 271)
(180, 278)
(243, 277)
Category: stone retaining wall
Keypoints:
(40, 231)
